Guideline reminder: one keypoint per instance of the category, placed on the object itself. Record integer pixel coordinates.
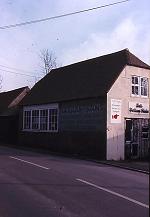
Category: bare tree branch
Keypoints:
(49, 61)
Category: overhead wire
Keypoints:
(60, 16)
(17, 73)
(16, 69)
(46, 19)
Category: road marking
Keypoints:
(37, 165)
(114, 193)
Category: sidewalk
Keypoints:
(139, 166)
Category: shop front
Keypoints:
(137, 132)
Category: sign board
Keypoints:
(86, 116)
(115, 111)
(138, 108)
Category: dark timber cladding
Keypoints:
(81, 130)
(80, 91)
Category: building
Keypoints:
(98, 107)
(9, 113)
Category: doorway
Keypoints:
(137, 138)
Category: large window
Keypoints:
(40, 118)
(139, 86)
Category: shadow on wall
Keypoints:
(91, 144)
(9, 129)
(120, 149)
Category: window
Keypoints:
(139, 86)
(38, 118)
(135, 85)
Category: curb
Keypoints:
(75, 157)
(125, 167)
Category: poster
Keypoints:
(115, 111)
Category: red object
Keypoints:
(115, 116)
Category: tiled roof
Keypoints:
(6, 98)
(89, 78)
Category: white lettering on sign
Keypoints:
(138, 108)
(115, 111)
(82, 108)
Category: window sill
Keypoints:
(40, 131)
(136, 96)
(139, 96)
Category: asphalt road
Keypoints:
(40, 185)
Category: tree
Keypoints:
(48, 60)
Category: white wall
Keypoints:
(121, 90)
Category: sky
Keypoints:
(72, 38)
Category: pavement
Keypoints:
(34, 183)
(139, 166)
(134, 165)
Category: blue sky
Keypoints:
(72, 38)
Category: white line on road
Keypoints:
(114, 193)
(37, 165)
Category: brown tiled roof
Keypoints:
(90, 78)
(6, 98)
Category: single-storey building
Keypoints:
(9, 113)
(98, 107)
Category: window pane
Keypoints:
(135, 90)
(27, 120)
(144, 91)
(135, 85)
(143, 81)
(43, 119)
(144, 86)
(35, 119)
(135, 80)
(53, 117)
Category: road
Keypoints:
(41, 185)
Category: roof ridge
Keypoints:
(133, 60)
(89, 59)
(14, 89)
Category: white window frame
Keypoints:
(139, 85)
(39, 108)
